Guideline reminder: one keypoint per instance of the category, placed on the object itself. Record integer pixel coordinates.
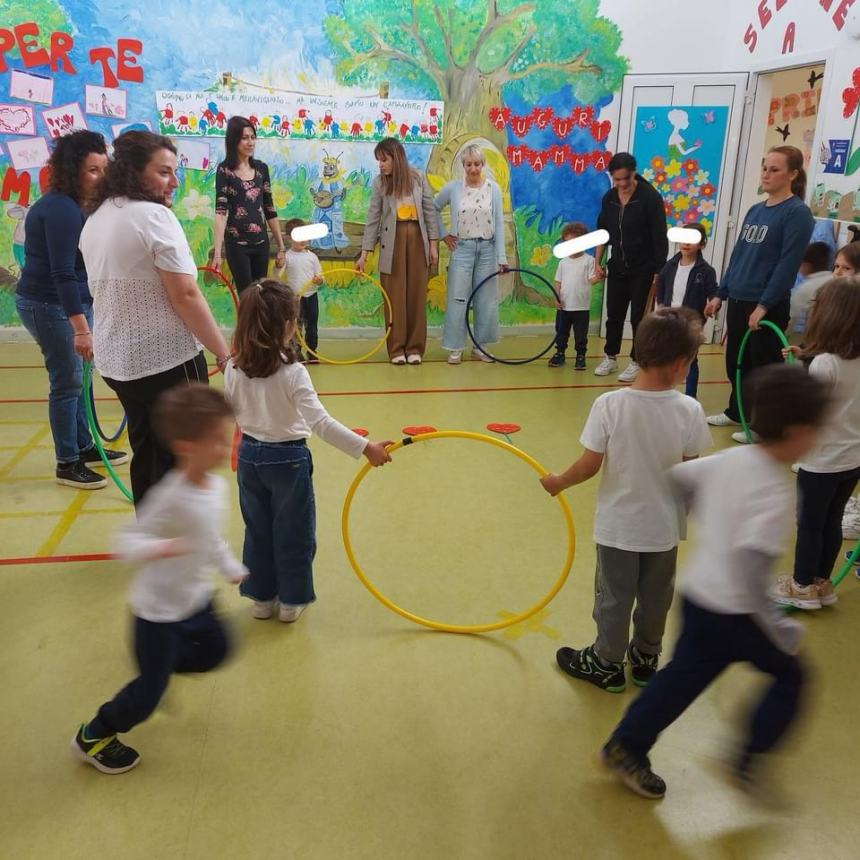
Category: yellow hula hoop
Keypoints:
(439, 625)
(300, 337)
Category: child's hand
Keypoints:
(376, 453)
(239, 578)
(318, 279)
(552, 484)
(172, 548)
(791, 350)
(558, 306)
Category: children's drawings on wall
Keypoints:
(17, 119)
(192, 154)
(30, 87)
(28, 152)
(679, 150)
(105, 101)
(140, 125)
(305, 117)
(64, 119)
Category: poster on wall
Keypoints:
(28, 153)
(193, 154)
(679, 150)
(105, 101)
(64, 119)
(17, 119)
(303, 117)
(31, 87)
(836, 187)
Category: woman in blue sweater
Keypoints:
(477, 244)
(55, 305)
(762, 271)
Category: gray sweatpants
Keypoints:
(622, 578)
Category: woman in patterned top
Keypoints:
(243, 207)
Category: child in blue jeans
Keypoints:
(277, 409)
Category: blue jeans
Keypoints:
(692, 388)
(276, 495)
(472, 261)
(50, 327)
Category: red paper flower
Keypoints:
(691, 165)
(659, 178)
(707, 190)
(851, 95)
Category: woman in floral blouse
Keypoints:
(243, 206)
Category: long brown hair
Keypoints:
(402, 179)
(265, 310)
(833, 324)
(132, 152)
(851, 254)
(794, 158)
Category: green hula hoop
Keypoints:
(850, 562)
(738, 371)
(91, 423)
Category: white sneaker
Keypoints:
(477, 355)
(288, 613)
(398, 359)
(741, 437)
(722, 420)
(851, 524)
(455, 357)
(263, 609)
(413, 358)
(607, 366)
(629, 373)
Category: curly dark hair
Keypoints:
(132, 152)
(67, 158)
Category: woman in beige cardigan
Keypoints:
(402, 218)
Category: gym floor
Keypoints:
(355, 733)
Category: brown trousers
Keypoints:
(406, 288)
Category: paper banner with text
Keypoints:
(303, 117)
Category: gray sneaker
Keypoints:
(722, 420)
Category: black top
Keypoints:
(701, 284)
(637, 233)
(247, 203)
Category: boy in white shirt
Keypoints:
(573, 279)
(177, 537)
(744, 501)
(303, 267)
(635, 435)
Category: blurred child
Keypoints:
(573, 279)
(847, 261)
(829, 473)
(743, 502)
(304, 271)
(635, 435)
(277, 409)
(177, 539)
(688, 281)
(815, 271)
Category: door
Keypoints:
(695, 121)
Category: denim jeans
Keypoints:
(49, 325)
(276, 495)
(472, 261)
(692, 386)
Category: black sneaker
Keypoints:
(749, 774)
(579, 364)
(635, 773)
(585, 665)
(643, 666)
(78, 475)
(92, 457)
(109, 755)
(557, 360)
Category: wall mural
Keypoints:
(522, 81)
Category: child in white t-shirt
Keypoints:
(743, 500)
(178, 539)
(303, 271)
(573, 279)
(635, 435)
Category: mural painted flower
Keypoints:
(701, 177)
(691, 216)
(680, 203)
(281, 197)
(851, 95)
(691, 166)
(648, 174)
(673, 168)
(437, 293)
(707, 223)
(706, 207)
(679, 184)
(707, 190)
(541, 255)
(657, 163)
(660, 178)
(195, 205)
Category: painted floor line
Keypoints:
(61, 529)
(57, 559)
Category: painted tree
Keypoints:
(466, 51)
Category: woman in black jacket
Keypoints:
(633, 214)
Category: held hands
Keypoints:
(239, 578)
(599, 272)
(504, 268)
(552, 484)
(756, 317)
(84, 345)
(318, 280)
(434, 253)
(712, 308)
(791, 350)
(216, 260)
(361, 262)
(450, 241)
(280, 259)
(376, 453)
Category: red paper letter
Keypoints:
(764, 14)
(103, 56)
(30, 54)
(750, 38)
(127, 68)
(841, 12)
(61, 44)
(7, 42)
(16, 183)
(788, 39)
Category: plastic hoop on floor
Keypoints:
(91, 421)
(849, 563)
(511, 361)
(738, 371)
(101, 433)
(216, 273)
(439, 625)
(376, 347)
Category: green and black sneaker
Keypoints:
(587, 666)
(643, 667)
(634, 772)
(109, 755)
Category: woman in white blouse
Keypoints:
(150, 317)
(477, 244)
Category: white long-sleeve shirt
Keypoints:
(174, 589)
(284, 407)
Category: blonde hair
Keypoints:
(474, 152)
